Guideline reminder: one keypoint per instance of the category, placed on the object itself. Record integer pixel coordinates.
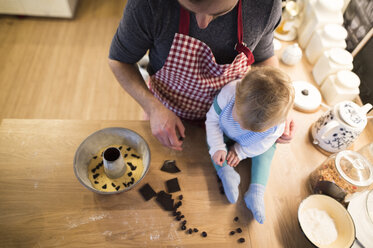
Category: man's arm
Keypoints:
(164, 123)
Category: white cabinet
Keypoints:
(52, 8)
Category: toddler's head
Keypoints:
(263, 98)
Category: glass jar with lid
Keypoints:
(342, 175)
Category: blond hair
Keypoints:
(263, 98)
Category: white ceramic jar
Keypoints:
(318, 13)
(330, 36)
(342, 86)
(292, 55)
(330, 62)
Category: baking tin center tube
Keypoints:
(114, 163)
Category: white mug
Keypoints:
(339, 127)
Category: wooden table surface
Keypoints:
(43, 204)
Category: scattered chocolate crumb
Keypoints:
(190, 231)
(178, 213)
(94, 157)
(241, 240)
(96, 182)
(184, 222)
(104, 187)
(232, 233)
(239, 230)
(117, 188)
(182, 216)
(128, 149)
(113, 184)
(178, 218)
(95, 175)
(174, 213)
(195, 230)
(180, 197)
(129, 174)
(235, 219)
(204, 234)
(135, 156)
(183, 227)
(120, 148)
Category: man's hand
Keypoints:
(167, 128)
(288, 134)
(232, 158)
(219, 157)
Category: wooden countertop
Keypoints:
(43, 204)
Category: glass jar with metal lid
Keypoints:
(342, 175)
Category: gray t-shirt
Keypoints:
(152, 24)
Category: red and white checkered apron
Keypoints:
(190, 77)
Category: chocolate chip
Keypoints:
(239, 230)
(178, 218)
(96, 182)
(132, 180)
(129, 174)
(182, 216)
(125, 155)
(180, 197)
(235, 219)
(178, 204)
(135, 156)
(125, 185)
(94, 157)
(183, 227)
(190, 231)
(178, 213)
(184, 222)
(128, 149)
(195, 230)
(104, 187)
(241, 240)
(113, 184)
(232, 233)
(204, 234)
(117, 188)
(93, 170)
(131, 166)
(120, 148)
(95, 176)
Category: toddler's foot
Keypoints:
(230, 179)
(254, 199)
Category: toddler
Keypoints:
(251, 114)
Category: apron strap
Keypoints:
(241, 46)
(184, 21)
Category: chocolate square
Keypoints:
(147, 192)
(172, 185)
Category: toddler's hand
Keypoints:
(232, 158)
(219, 157)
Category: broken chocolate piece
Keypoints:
(165, 200)
(117, 188)
(241, 240)
(235, 219)
(239, 230)
(204, 234)
(95, 175)
(180, 197)
(232, 233)
(129, 174)
(131, 166)
(135, 156)
(104, 187)
(128, 149)
(170, 166)
(94, 157)
(146, 191)
(113, 184)
(195, 230)
(132, 180)
(120, 148)
(125, 155)
(125, 185)
(173, 185)
(96, 182)
(93, 170)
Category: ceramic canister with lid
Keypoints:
(342, 175)
(318, 13)
(340, 126)
(330, 36)
(330, 62)
(342, 86)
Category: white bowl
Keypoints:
(103, 138)
(342, 219)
